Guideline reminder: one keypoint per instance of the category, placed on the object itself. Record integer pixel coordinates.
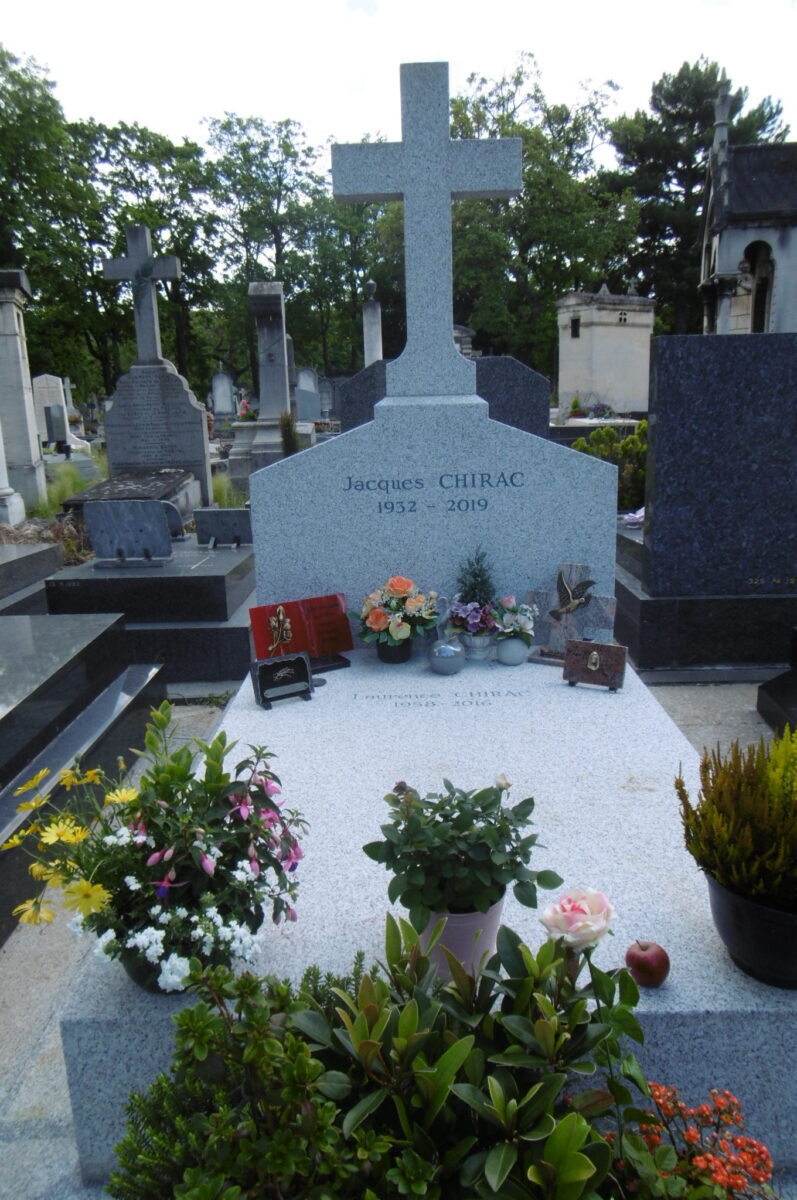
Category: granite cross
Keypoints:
(143, 269)
(427, 169)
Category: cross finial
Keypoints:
(427, 169)
(142, 269)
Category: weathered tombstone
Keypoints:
(516, 395)
(49, 397)
(12, 506)
(155, 420)
(372, 325)
(24, 463)
(56, 424)
(223, 526)
(268, 307)
(128, 533)
(223, 394)
(307, 398)
(73, 413)
(431, 477)
(714, 579)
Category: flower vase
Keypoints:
(394, 654)
(447, 657)
(511, 651)
(762, 941)
(469, 936)
(477, 645)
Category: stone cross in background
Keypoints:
(426, 170)
(142, 269)
(372, 325)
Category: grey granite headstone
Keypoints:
(267, 304)
(56, 423)
(12, 506)
(516, 395)
(372, 325)
(306, 395)
(155, 422)
(223, 394)
(416, 491)
(24, 463)
(426, 170)
(128, 532)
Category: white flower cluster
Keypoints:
(211, 931)
(104, 942)
(121, 837)
(149, 941)
(243, 872)
(172, 973)
(132, 883)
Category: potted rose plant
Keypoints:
(742, 832)
(392, 615)
(182, 866)
(455, 853)
(514, 629)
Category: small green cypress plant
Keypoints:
(475, 580)
(743, 828)
(288, 434)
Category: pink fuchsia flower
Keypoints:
(207, 864)
(244, 805)
(268, 785)
(268, 816)
(162, 886)
(154, 858)
(290, 860)
(580, 918)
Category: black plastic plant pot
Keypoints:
(762, 941)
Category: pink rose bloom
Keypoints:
(508, 601)
(580, 918)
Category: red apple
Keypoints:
(648, 963)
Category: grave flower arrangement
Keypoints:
(472, 617)
(515, 620)
(395, 612)
(456, 851)
(246, 412)
(183, 866)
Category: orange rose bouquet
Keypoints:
(396, 612)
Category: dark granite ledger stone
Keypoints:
(721, 494)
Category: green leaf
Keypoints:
(549, 879)
(475, 1099)
(392, 940)
(314, 1024)
(499, 1163)
(631, 1069)
(665, 1158)
(627, 1023)
(603, 985)
(355, 1116)
(408, 1020)
(334, 1085)
(526, 894)
(508, 946)
(593, 1102)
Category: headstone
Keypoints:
(155, 420)
(268, 307)
(604, 350)
(49, 397)
(24, 464)
(306, 396)
(73, 413)
(12, 506)
(128, 532)
(223, 526)
(426, 170)
(431, 478)
(516, 395)
(223, 394)
(372, 325)
(715, 580)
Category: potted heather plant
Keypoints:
(186, 865)
(455, 853)
(742, 833)
(392, 615)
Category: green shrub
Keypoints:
(288, 434)
(63, 480)
(225, 494)
(628, 454)
(475, 580)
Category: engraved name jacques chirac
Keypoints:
(448, 481)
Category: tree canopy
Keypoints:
(253, 203)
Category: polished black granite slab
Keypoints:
(696, 631)
(23, 565)
(51, 669)
(516, 395)
(197, 584)
(721, 499)
(777, 698)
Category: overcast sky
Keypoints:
(332, 65)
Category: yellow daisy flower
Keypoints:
(77, 833)
(92, 775)
(86, 897)
(36, 802)
(62, 830)
(33, 912)
(50, 874)
(16, 840)
(68, 779)
(122, 795)
(32, 783)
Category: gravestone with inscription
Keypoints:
(155, 420)
(223, 394)
(52, 413)
(267, 304)
(417, 489)
(714, 577)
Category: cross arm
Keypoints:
(364, 171)
(486, 169)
